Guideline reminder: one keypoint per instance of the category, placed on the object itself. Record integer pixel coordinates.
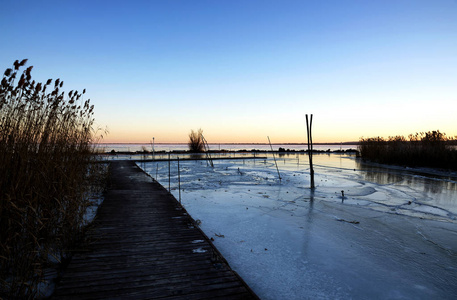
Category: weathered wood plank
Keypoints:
(144, 245)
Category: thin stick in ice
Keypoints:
(274, 158)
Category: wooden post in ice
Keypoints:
(169, 174)
(153, 151)
(310, 148)
(179, 182)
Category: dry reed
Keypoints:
(46, 144)
(425, 149)
(196, 141)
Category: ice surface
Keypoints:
(392, 236)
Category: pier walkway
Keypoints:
(144, 245)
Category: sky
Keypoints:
(245, 70)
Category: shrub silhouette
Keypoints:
(196, 141)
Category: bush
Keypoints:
(46, 171)
(196, 141)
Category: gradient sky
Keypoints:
(242, 70)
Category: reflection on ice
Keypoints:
(393, 236)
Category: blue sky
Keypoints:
(242, 70)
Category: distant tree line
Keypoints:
(425, 149)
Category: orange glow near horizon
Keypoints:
(244, 127)
(319, 136)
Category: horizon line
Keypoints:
(231, 143)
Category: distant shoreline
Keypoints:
(183, 147)
(283, 151)
(147, 143)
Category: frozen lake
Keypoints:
(393, 235)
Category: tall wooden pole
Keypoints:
(309, 124)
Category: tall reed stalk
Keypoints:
(46, 171)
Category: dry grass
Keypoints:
(425, 149)
(196, 141)
(46, 171)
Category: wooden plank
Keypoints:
(143, 246)
(148, 289)
(87, 278)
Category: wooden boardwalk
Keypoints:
(144, 245)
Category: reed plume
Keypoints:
(46, 170)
